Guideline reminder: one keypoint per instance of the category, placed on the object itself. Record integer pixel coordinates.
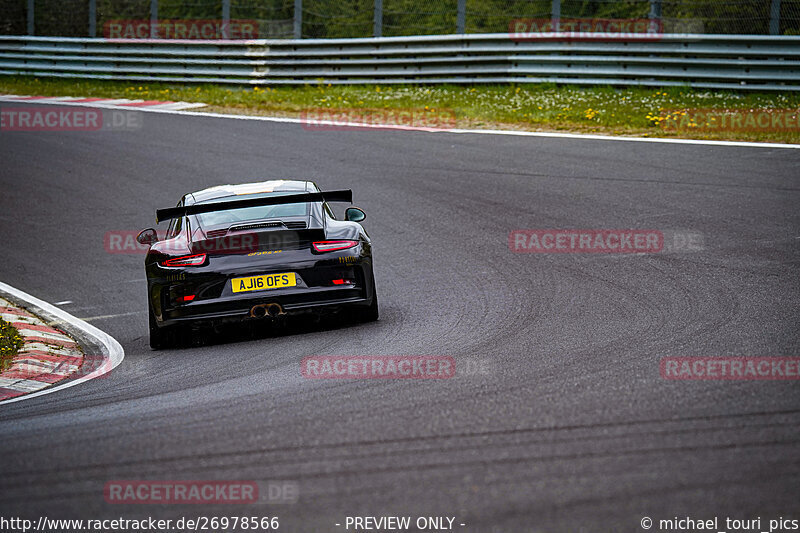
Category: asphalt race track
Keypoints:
(560, 421)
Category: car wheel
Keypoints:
(370, 314)
(160, 337)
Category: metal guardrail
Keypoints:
(702, 61)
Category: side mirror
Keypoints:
(354, 214)
(147, 236)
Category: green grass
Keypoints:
(543, 107)
(10, 343)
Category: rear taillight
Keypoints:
(187, 298)
(332, 246)
(185, 261)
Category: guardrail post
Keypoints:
(30, 17)
(655, 10)
(298, 19)
(555, 13)
(775, 17)
(154, 19)
(377, 20)
(461, 20)
(92, 18)
(226, 14)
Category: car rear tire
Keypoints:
(370, 314)
(160, 337)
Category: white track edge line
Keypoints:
(584, 136)
(114, 350)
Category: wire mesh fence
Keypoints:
(368, 18)
(275, 17)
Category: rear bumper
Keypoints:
(236, 309)
(215, 301)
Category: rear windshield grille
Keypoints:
(256, 226)
(287, 225)
(216, 233)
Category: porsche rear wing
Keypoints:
(344, 195)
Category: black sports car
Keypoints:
(256, 251)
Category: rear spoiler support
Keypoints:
(344, 195)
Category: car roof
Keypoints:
(241, 189)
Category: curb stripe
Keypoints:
(47, 340)
(5, 393)
(119, 103)
(37, 355)
(47, 377)
(44, 331)
(33, 366)
(36, 327)
(87, 100)
(48, 347)
(14, 311)
(24, 385)
(145, 103)
(35, 333)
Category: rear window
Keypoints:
(250, 214)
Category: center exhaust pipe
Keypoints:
(272, 310)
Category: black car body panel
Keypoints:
(282, 242)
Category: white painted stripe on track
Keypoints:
(555, 135)
(176, 106)
(103, 317)
(66, 98)
(114, 351)
(116, 102)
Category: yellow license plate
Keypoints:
(263, 283)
